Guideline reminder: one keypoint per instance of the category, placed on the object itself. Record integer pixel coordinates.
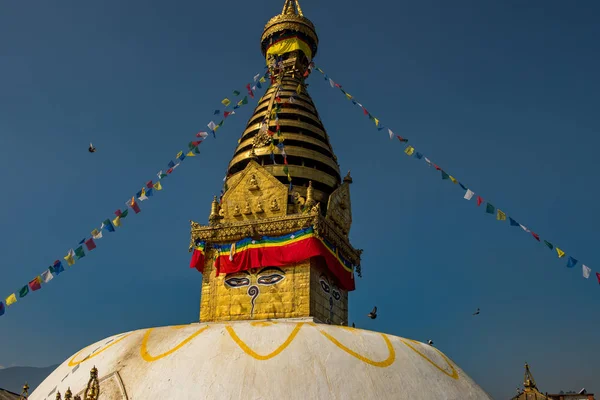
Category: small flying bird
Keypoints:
(354, 326)
(430, 342)
(91, 149)
(373, 314)
(476, 312)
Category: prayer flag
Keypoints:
(190, 154)
(171, 164)
(376, 121)
(331, 82)
(81, 241)
(226, 102)
(69, 258)
(262, 79)
(453, 180)
(524, 228)
(96, 234)
(469, 194)
(47, 276)
(181, 157)
(299, 88)
(598, 277)
(400, 138)
(560, 253)
(124, 214)
(428, 161)
(445, 175)
(547, 243)
(12, 299)
(409, 150)
(479, 200)
(118, 213)
(79, 253)
(571, 262)
(202, 135)
(249, 91)
(161, 175)
(157, 186)
(419, 156)
(535, 235)
(117, 221)
(211, 125)
(489, 208)
(216, 112)
(24, 291)
(57, 268)
(462, 186)
(90, 243)
(1, 308)
(179, 154)
(141, 195)
(35, 284)
(513, 222)
(500, 216)
(149, 192)
(134, 206)
(244, 100)
(237, 93)
(228, 113)
(586, 271)
(149, 184)
(108, 225)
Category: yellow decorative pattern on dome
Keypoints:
(73, 363)
(454, 374)
(254, 354)
(382, 364)
(150, 358)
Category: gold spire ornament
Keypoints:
(24, 392)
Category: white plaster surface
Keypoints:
(319, 362)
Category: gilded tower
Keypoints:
(276, 245)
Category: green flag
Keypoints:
(236, 93)
(124, 213)
(196, 150)
(445, 175)
(245, 100)
(79, 253)
(489, 208)
(548, 244)
(24, 290)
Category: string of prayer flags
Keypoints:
(145, 193)
(469, 194)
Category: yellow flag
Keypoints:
(181, 152)
(560, 252)
(117, 221)
(348, 96)
(453, 179)
(500, 216)
(69, 259)
(262, 80)
(157, 186)
(376, 121)
(299, 89)
(226, 102)
(409, 150)
(191, 154)
(12, 299)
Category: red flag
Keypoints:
(479, 200)
(400, 138)
(196, 143)
(227, 113)
(118, 213)
(365, 111)
(149, 184)
(134, 206)
(306, 73)
(337, 85)
(35, 284)
(250, 91)
(535, 235)
(201, 134)
(90, 244)
(270, 133)
(285, 160)
(169, 170)
(437, 168)
(598, 276)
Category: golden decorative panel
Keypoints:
(253, 196)
(339, 209)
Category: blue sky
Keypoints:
(503, 95)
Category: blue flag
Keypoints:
(419, 156)
(1, 308)
(258, 85)
(571, 262)
(171, 164)
(513, 222)
(216, 112)
(57, 268)
(461, 185)
(149, 192)
(82, 241)
(108, 225)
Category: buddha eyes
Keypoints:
(270, 279)
(237, 282)
(336, 294)
(325, 286)
(328, 289)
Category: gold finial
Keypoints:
(68, 394)
(214, 216)
(348, 178)
(93, 387)
(528, 381)
(310, 201)
(289, 9)
(25, 392)
(58, 396)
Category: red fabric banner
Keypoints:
(280, 256)
(197, 260)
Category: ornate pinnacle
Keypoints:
(25, 392)
(68, 394)
(58, 396)
(292, 7)
(348, 178)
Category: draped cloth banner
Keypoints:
(289, 44)
(278, 251)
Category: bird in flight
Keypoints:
(476, 312)
(91, 149)
(373, 314)
(430, 342)
(354, 326)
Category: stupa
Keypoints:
(277, 267)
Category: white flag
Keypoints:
(428, 161)
(99, 234)
(469, 194)
(292, 99)
(211, 125)
(524, 228)
(586, 271)
(391, 134)
(256, 77)
(47, 276)
(331, 82)
(202, 135)
(143, 196)
(253, 87)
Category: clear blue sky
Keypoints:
(503, 95)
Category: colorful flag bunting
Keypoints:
(560, 253)
(513, 222)
(226, 102)
(400, 138)
(12, 299)
(35, 283)
(202, 135)
(479, 200)
(141, 195)
(157, 186)
(453, 179)
(57, 268)
(547, 243)
(228, 113)
(586, 271)
(90, 243)
(571, 262)
(1, 308)
(107, 225)
(134, 206)
(500, 216)
(79, 253)
(469, 194)
(69, 258)
(24, 291)
(47, 276)
(489, 208)
(445, 175)
(597, 276)
(524, 228)
(116, 222)
(211, 125)
(391, 134)
(409, 150)
(535, 235)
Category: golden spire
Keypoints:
(292, 7)
(25, 392)
(528, 381)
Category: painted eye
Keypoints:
(270, 279)
(325, 286)
(336, 295)
(237, 282)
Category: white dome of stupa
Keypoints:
(282, 359)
